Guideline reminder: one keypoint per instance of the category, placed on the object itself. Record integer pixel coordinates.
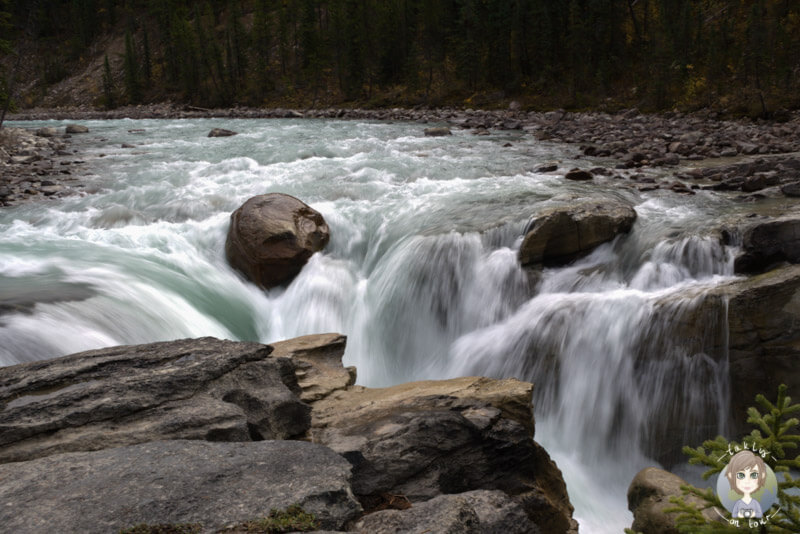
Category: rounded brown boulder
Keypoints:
(271, 237)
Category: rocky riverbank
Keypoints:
(634, 138)
(758, 158)
(215, 433)
(42, 163)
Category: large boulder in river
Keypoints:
(203, 389)
(470, 433)
(561, 235)
(174, 482)
(271, 237)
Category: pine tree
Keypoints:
(147, 62)
(131, 67)
(262, 41)
(108, 85)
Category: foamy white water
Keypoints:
(421, 273)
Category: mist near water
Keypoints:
(421, 274)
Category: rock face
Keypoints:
(203, 389)
(166, 482)
(766, 243)
(648, 497)
(562, 235)
(761, 315)
(764, 341)
(482, 429)
(271, 237)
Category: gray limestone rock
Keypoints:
(173, 482)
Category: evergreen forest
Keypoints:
(737, 56)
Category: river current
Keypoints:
(421, 273)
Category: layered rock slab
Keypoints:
(204, 389)
(168, 482)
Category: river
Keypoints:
(421, 273)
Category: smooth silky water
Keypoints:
(421, 274)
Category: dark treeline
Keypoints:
(741, 56)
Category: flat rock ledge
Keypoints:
(215, 433)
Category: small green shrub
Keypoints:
(293, 519)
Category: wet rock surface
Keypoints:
(765, 243)
(563, 234)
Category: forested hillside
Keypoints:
(736, 56)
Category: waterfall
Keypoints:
(421, 274)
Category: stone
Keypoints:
(579, 175)
(318, 362)
(221, 132)
(768, 242)
(550, 166)
(76, 129)
(271, 237)
(471, 433)
(561, 235)
(438, 131)
(759, 181)
(49, 190)
(648, 497)
(173, 482)
(479, 512)
(47, 132)
(791, 190)
(204, 389)
(448, 513)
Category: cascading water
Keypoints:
(421, 273)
